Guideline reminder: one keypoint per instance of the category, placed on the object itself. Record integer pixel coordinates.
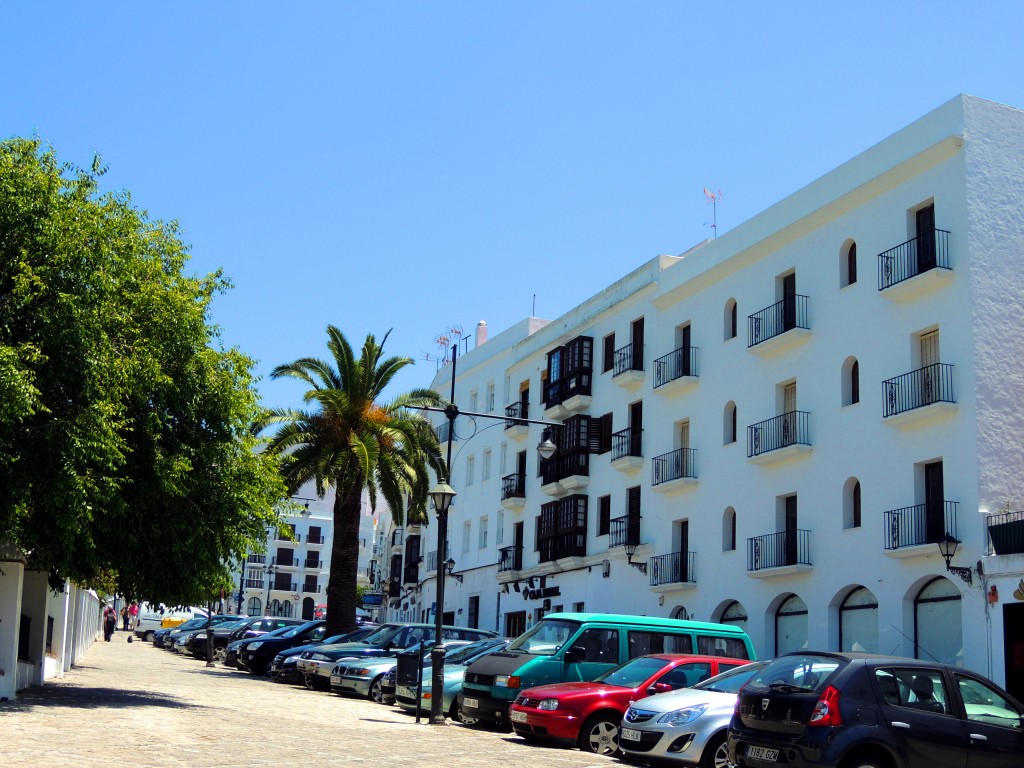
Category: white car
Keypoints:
(688, 725)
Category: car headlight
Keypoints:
(683, 716)
(548, 704)
(320, 657)
(506, 681)
(253, 646)
(359, 672)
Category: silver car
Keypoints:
(688, 726)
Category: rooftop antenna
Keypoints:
(533, 310)
(714, 197)
(444, 342)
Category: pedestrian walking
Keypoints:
(125, 617)
(133, 615)
(109, 622)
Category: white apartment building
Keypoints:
(774, 429)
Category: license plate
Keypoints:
(518, 717)
(474, 703)
(762, 753)
(629, 734)
(405, 691)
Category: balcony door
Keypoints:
(789, 414)
(517, 544)
(636, 427)
(934, 502)
(683, 526)
(684, 356)
(789, 302)
(637, 339)
(684, 450)
(929, 371)
(925, 220)
(791, 531)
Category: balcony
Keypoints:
(513, 427)
(565, 472)
(284, 586)
(777, 554)
(315, 538)
(628, 366)
(562, 529)
(918, 395)
(312, 564)
(282, 536)
(254, 584)
(567, 395)
(916, 266)
(626, 454)
(779, 326)
(676, 371)
(779, 438)
(510, 559)
(311, 589)
(673, 568)
(624, 530)
(397, 539)
(411, 572)
(513, 491)
(674, 471)
(256, 559)
(917, 526)
(1006, 532)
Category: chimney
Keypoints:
(481, 332)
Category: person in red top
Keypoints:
(133, 614)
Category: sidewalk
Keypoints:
(130, 704)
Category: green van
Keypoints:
(565, 647)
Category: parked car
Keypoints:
(393, 638)
(257, 655)
(453, 673)
(580, 646)
(235, 647)
(154, 617)
(869, 711)
(588, 714)
(176, 639)
(687, 726)
(164, 638)
(363, 677)
(226, 633)
(284, 668)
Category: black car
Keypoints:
(257, 655)
(235, 647)
(284, 669)
(227, 633)
(868, 711)
(164, 638)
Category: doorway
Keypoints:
(1013, 647)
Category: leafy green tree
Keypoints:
(125, 445)
(353, 440)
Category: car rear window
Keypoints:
(798, 673)
(732, 647)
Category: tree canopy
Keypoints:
(125, 443)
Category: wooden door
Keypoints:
(791, 531)
(929, 379)
(934, 502)
(685, 354)
(789, 425)
(925, 220)
(638, 344)
(789, 302)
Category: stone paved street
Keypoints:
(130, 704)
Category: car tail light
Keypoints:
(826, 711)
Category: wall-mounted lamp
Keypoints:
(947, 548)
(449, 567)
(504, 588)
(606, 568)
(630, 550)
(529, 583)
(515, 586)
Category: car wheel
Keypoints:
(459, 716)
(220, 653)
(600, 735)
(716, 753)
(867, 761)
(268, 669)
(376, 691)
(309, 682)
(148, 637)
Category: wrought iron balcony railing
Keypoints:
(674, 465)
(793, 428)
(626, 442)
(1006, 532)
(257, 559)
(515, 412)
(511, 559)
(254, 584)
(628, 358)
(927, 251)
(792, 312)
(624, 531)
(284, 586)
(312, 563)
(920, 524)
(774, 550)
(673, 568)
(513, 486)
(931, 384)
(675, 365)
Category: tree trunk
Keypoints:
(341, 587)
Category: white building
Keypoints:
(291, 578)
(775, 428)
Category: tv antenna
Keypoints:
(714, 197)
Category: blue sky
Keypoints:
(423, 165)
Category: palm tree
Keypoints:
(352, 441)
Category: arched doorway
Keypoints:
(308, 608)
(858, 621)
(938, 623)
(791, 625)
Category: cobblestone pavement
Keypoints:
(130, 704)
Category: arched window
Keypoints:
(730, 319)
(729, 530)
(938, 623)
(274, 608)
(851, 381)
(729, 423)
(851, 503)
(858, 622)
(735, 614)
(791, 625)
(848, 264)
(254, 607)
(286, 609)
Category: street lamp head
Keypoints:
(442, 495)
(305, 510)
(947, 546)
(450, 564)
(546, 448)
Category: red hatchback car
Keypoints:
(588, 714)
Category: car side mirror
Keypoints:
(659, 688)
(575, 655)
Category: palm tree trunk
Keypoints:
(341, 588)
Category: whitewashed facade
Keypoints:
(876, 398)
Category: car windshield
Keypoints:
(547, 638)
(630, 674)
(382, 635)
(731, 680)
(470, 651)
(296, 631)
(799, 673)
(279, 632)
(190, 624)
